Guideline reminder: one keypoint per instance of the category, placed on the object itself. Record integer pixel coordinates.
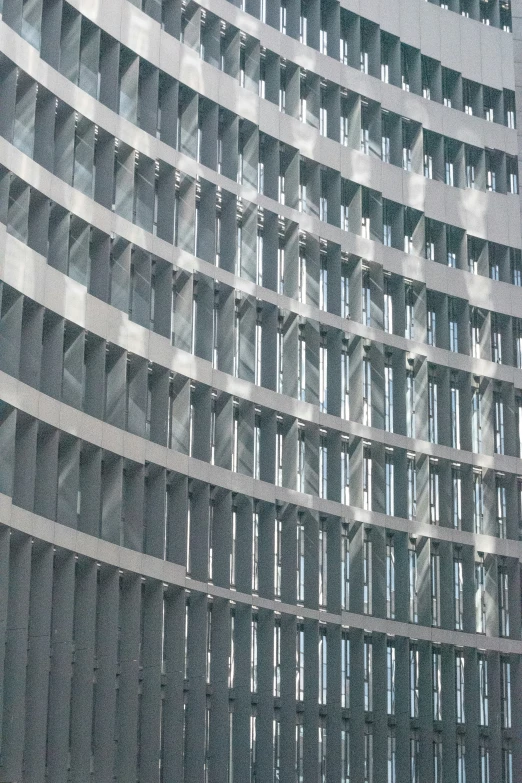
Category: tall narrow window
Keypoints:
(480, 596)
(456, 496)
(258, 346)
(277, 749)
(300, 662)
(505, 692)
(345, 567)
(388, 306)
(253, 748)
(365, 124)
(459, 687)
(476, 422)
(501, 506)
(281, 248)
(366, 298)
(388, 395)
(390, 578)
(475, 326)
(406, 145)
(277, 556)
(453, 326)
(434, 492)
(410, 403)
(458, 592)
(323, 374)
(412, 486)
(345, 754)
(253, 655)
(210, 540)
(322, 754)
(507, 763)
(432, 325)
(498, 404)
(367, 478)
(255, 548)
(231, 652)
(257, 444)
(437, 760)
(414, 758)
(235, 435)
(436, 683)
(503, 600)
(345, 381)
(323, 113)
(483, 761)
(461, 759)
(323, 465)
(367, 573)
(389, 483)
(451, 241)
(410, 312)
(277, 658)
(455, 414)
(280, 355)
(345, 471)
(302, 273)
(433, 413)
(323, 661)
(301, 365)
(412, 561)
(300, 558)
(387, 216)
(301, 461)
(390, 677)
(323, 281)
(478, 503)
(496, 339)
(299, 750)
(368, 675)
(345, 291)
(483, 689)
(368, 754)
(414, 681)
(517, 333)
(435, 588)
(385, 60)
(323, 562)
(345, 670)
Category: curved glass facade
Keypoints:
(260, 391)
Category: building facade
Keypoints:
(260, 391)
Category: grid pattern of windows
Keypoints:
(259, 455)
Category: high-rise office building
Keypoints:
(261, 391)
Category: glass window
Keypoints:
(390, 578)
(368, 675)
(391, 757)
(458, 586)
(459, 687)
(390, 677)
(505, 692)
(345, 670)
(412, 559)
(435, 589)
(345, 567)
(323, 665)
(367, 573)
(483, 689)
(436, 663)
(414, 681)
(390, 484)
(480, 596)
